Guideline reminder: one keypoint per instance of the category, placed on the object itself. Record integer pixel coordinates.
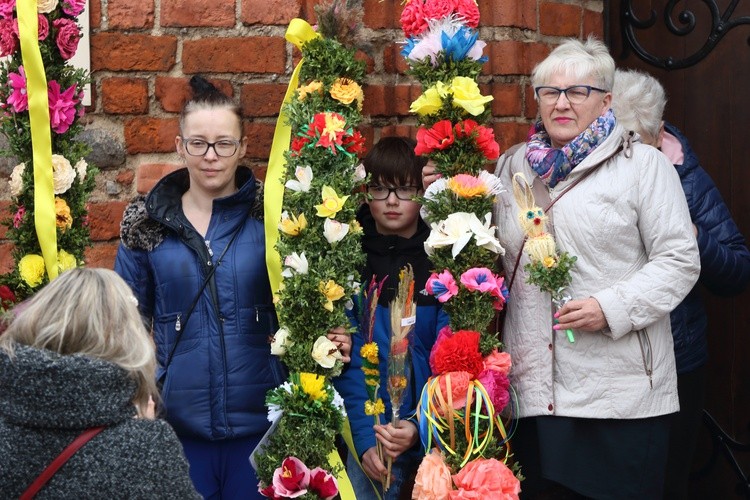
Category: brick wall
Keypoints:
(143, 52)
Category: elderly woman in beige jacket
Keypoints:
(593, 412)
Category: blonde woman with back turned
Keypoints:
(78, 357)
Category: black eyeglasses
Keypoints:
(198, 147)
(575, 94)
(382, 193)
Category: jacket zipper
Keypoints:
(646, 355)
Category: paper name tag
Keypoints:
(408, 321)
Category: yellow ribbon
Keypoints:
(345, 486)
(41, 135)
(298, 33)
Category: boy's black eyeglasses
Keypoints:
(402, 192)
(198, 147)
(575, 94)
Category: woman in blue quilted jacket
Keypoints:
(638, 101)
(193, 253)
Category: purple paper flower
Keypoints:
(73, 7)
(18, 99)
(67, 37)
(62, 107)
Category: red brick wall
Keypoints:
(143, 52)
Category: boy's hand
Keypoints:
(429, 175)
(396, 440)
(343, 341)
(372, 465)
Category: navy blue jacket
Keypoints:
(725, 259)
(386, 255)
(216, 384)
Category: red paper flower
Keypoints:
(7, 297)
(298, 143)
(439, 137)
(291, 479)
(355, 143)
(413, 19)
(323, 483)
(487, 143)
(458, 353)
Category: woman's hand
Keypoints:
(373, 466)
(429, 174)
(585, 315)
(343, 341)
(396, 440)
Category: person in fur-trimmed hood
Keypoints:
(65, 368)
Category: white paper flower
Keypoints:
(304, 177)
(325, 352)
(295, 263)
(16, 179)
(63, 174)
(81, 168)
(452, 231)
(334, 231)
(484, 234)
(45, 6)
(274, 410)
(338, 402)
(493, 183)
(280, 342)
(360, 173)
(436, 187)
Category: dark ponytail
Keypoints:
(206, 95)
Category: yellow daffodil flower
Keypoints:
(331, 291)
(332, 203)
(292, 225)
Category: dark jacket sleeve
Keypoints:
(132, 266)
(725, 259)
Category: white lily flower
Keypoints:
(304, 177)
(455, 231)
(325, 352)
(334, 231)
(280, 342)
(485, 234)
(295, 263)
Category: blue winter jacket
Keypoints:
(386, 255)
(725, 259)
(215, 386)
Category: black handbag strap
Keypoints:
(179, 324)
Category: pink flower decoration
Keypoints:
(18, 98)
(43, 30)
(73, 7)
(443, 286)
(62, 107)
(323, 483)
(498, 361)
(67, 37)
(6, 8)
(269, 492)
(438, 9)
(433, 481)
(18, 218)
(413, 19)
(469, 10)
(486, 478)
(8, 37)
(291, 479)
(479, 279)
(459, 386)
(496, 384)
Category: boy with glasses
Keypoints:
(393, 236)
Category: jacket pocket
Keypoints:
(169, 338)
(258, 324)
(647, 356)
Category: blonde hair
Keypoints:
(638, 100)
(580, 60)
(89, 311)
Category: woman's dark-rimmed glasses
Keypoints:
(575, 94)
(198, 147)
(402, 192)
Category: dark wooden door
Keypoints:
(710, 102)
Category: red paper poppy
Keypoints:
(438, 137)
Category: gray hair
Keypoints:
(93, 312)
(580, 60)
(638, 100)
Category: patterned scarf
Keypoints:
(553, 165)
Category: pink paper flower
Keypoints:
(479, 279)
(73, 7)
(457, 384)
(8, 37)
(18, 98)
(413, 19)
(496, 384)
(323, 484)
(43, 29)
(438, 9)
(6, 8)
(433, 481)
(498, 361)
(489, 478)
(443, 286)
(291, 479)
(469, 10)
(18, 218)
(62, 106)
(67, 37)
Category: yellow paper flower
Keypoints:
(63, 219)
(31, 269)
(549, 262)
(429, 102)
(313, 385)
(305, 90)
(347, 91)
(467, 186)
(332, 203)
(292, 225)
(369, 351)
(466, 95)
(331, 291)
(375, 408)
(65, 261)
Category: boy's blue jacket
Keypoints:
(725, 259)
(386, 255)
(216, 384)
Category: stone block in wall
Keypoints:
(262, 99)
(560, 19)
(102, 254)
(104, 219)
(107, 151)
(173, 92)
(6, 162)
(127, 14)
(144, 134)
(179, 13)
(148, 174)
(4, 214)
(593, 23)
(125, 96)
(258, 12)
(6, 258)
(260, 136)
(259, 54)
(132, 52)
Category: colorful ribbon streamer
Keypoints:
(41, 134)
